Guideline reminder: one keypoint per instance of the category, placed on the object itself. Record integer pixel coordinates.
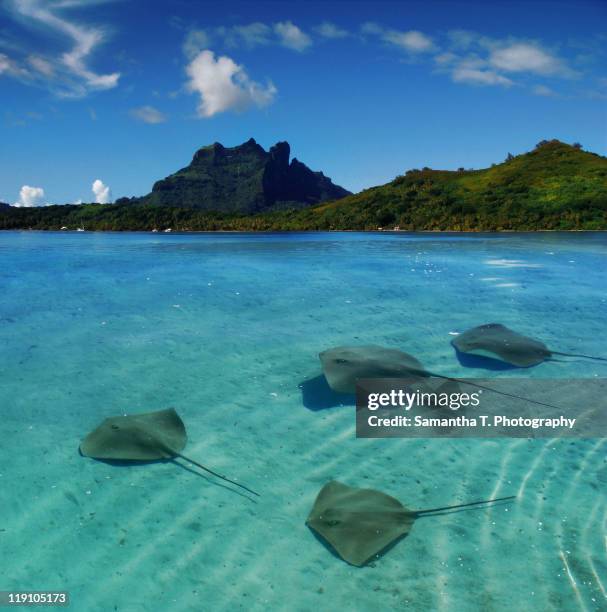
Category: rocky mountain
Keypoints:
(243, 179)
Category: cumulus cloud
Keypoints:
(101, 191)
(291, 36)
(474, 59)
(476, 76)
(148, 114)
(526, 57)
(224, 85)
(509, 54)
(412, 41)
(69, 73)
(329, 30)
(30, 197)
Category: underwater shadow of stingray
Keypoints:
(317, 395)
(468, 360)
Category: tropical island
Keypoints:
(556, 186)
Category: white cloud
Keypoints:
(252, 35)
(224, 85)
(291, 36)
(329, 30)
(476, 76)
(42, 65)
(195, 42)
(11, 67)
(69, 73)
(412, 41)
(371, 28)
(526, 57)
(148, 114)
(543, 90)
(102, 192)
(4, 63)
(443, 59)
(476, 59)
(470, 69)
(30, 197)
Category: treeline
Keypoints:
(437, 217)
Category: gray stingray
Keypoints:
(343, 366)
(143, 437)
(497, 341)
(361, 523)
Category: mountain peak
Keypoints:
(245, 178)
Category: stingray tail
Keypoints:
(206, 469)
(473, 384)
(579, 355)
(476, 503)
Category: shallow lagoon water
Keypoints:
(226, 328)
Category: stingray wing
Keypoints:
(139, 437)
(358, 523)
(498, 341)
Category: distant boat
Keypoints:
(154, 231)
(80, 229)
(168, 230)
(63, 228)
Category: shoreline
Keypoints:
(327, 231)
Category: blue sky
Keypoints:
(101, 98)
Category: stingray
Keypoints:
(343, 366)
(361, 523)
(147, 436)
(496, 341)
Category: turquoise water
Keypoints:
(226, 328)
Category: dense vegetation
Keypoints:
(555, 186)
(244, 180)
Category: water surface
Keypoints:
(226, 328)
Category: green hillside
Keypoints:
(555, 186)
